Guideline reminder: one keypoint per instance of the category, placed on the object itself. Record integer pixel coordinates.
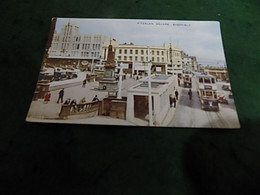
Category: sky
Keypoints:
(196, 38)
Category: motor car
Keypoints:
(59, 76)
(222, 98)
(45, 76)
(226, 87)
(71, 75)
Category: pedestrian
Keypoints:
(82, 101)
(95, 99)
(73, 105)
(61, 94)
(84, 83)
(174, 102)
(176, 94)
(81, 104)
(190, 94)
(67, 102)
(47, 97)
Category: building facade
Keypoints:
(70, 47)
(189, 63)
(69, 43)
(219, 72)
(161, 56)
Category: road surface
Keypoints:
(189, 113)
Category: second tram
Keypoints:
(207, 91)
(187, 79)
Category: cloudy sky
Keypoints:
(196, 38)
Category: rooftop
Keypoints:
(160, 77)
(203, 74)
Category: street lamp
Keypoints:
(120, 82)
(150, 90)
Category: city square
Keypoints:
(123, 83)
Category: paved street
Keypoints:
(73, 89)
(189, 113)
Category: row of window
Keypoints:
(75, 54)
(142, 52)
(86, 39)
(206, 80)
(77, 46)
(90, 54)
(138, 58)
(88, 46)
(131, 51)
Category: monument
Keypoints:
(109, 82)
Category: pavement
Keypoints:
(172, 110)
(49, 112)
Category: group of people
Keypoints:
(82, 101)
(68, 101)
(173, 99)
(78, 106)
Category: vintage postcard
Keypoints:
(167, 73)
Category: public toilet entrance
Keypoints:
(141, 104)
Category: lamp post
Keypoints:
(119, 96)
(150, 108)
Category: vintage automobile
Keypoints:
(45, 76)
(222, 98)
(226, 87)
(59, 76)
(71, 75)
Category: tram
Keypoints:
(207, 91)
(187, 78)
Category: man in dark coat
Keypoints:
(95, 99)
(174, 102)
(176, 94)
(84, 83)
(61, 94)
(190, 93)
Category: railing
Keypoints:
(91, 108)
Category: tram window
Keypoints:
(215, 95)
(208, 93)
(201, 80)
(207, 80)
(212, 80)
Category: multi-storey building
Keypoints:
(69, 43)
(189, 63)
(70, 47)
(160, 56)
(219, 72)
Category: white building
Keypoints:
(189, 63)
(162, 86)
(161, 56)
(69, 43)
